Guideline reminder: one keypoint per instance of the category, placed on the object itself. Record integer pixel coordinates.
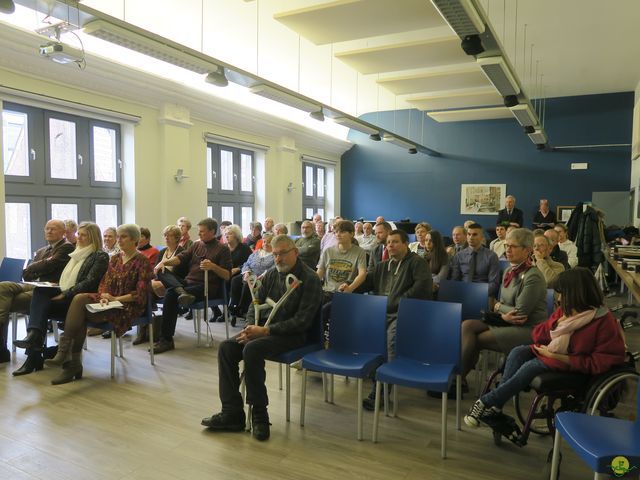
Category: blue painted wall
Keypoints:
(382, 179)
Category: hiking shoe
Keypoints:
(225, 421)
(260, 423)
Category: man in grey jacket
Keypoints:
(404, 275)
(308, 245)
(255, 343)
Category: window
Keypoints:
(313, 190)
(230, 184)
(57, 165)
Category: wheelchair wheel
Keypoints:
(544, 417)
(606, 394)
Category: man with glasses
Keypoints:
(287, 330)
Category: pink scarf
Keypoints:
(561, 335)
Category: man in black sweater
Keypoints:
(287, 331)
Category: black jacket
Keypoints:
(91, 272)
(516, 216)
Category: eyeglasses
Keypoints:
(508, 246)
(281, 254)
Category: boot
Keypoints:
(143, 336)
(64, 353)
(34, 340)
(184, 299)
(33, 363)
(70, 370)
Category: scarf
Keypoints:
(515, 271)
(70, 273)
(561, 335)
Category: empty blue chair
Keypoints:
(314, 343)
(474, 297)
(504, 264)
(358, 343)
(610, 446)
(428, 351)
(11, 271)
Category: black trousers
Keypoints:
(170, 308)
(254, 354)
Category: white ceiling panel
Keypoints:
(492, 113)
(434, 79)
(455, 99)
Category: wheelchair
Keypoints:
(555, 392)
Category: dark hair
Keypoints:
(144, 231)
(385, 225)
(579, 290)
(404, 238)
(225, 223)
(474, 226)
(344, 226)
(439, 255)
(210, 224)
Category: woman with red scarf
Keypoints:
(580, 336)
(522, 305)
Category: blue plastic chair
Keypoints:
(608, 445)
(201, 313)
(11, 271)
(428, 356)
(314, 343)
(358, 343)
(504, 264)
(474, 297)
(550, 300)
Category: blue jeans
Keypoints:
(521, 367)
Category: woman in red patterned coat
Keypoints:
(126, 281)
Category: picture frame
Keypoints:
(563, 213)
(482, 199)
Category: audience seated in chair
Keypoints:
(541, 259)
(82, 274)
(127, 281)
(145, 247)
(184, 224)
(368, 240)
(239, 255)
(556, 253)
(379, 253)
(109, 241)
(580, 336)
(308, 245)
(510, 215)
(459, 237)
(205, 254)
(437, 257)
(544, 218)
(419, 246)
(497, 244)
(329, 238)
(320, 230)
(48, 263)
(254, 236)
(566, 245)
(255, 343)
(521, 306)
(70, 231)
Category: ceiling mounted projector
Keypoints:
(61, 53)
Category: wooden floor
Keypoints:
(145, 424)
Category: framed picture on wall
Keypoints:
(482, 199)
(563, 214)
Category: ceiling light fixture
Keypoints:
(461, 16)
(525, 115)
(357, 125)
(318, 115)
(538, 137)
(7, 6)
(375, 137)
(498, 73)
(61, 53)
(286, 98)
(399, 142)
(217, 77)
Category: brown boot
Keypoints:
(64, 353)
(70, 370)
(143, 335)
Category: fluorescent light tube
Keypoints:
(355, 125)
(396, 141)
(525, 115)
(538, 137)
(499, 74)
(461, 15)
(286, 98)
(146, 45)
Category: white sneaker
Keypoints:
(472, 419)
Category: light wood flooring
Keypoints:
(145, 424)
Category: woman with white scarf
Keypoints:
(580, 336)
(83, 273)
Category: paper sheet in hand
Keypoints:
(98, 307)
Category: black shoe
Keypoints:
(33, 340)
(106, 335)
(189, 315)
(50, 352)
(163, 345)
(232, 322)
(260, 423)
(5, 355)
(369, 403)
(33, 363)
(225, 421)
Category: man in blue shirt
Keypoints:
(477, 263)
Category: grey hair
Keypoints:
(237, 232)
(186, 221)
(281, 226)
(511, 197)
(282, 239)
(131, 229)
(522, 236)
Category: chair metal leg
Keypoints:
(288, 386)
(331, 386)
(120, 345)
(196, 320)
(303, 396)
(14, 330)
(555, 458)
(395, 401)
(376, 411)
(56, 333)
(360, 415)
(458, 396)
(225, 312)
(151, 342)
(443, 448)
(385, 392)
(325, 387)
(113, 354)
(279, 376)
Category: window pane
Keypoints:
(16, 143)
(308, 181)
(62, 149)
(106, 216)
(320, 182)
(321, 212)
(104, 154)
(210, 212)
(226, 213)
(226, 170)
(18, 229)
(308, 213)
(246, 172)
(209, 171)
(65, 211)
(247, 216)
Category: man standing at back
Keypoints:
(287, 330)
(510, 214)
(47, 266)
(477, 263)
(379, 253)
